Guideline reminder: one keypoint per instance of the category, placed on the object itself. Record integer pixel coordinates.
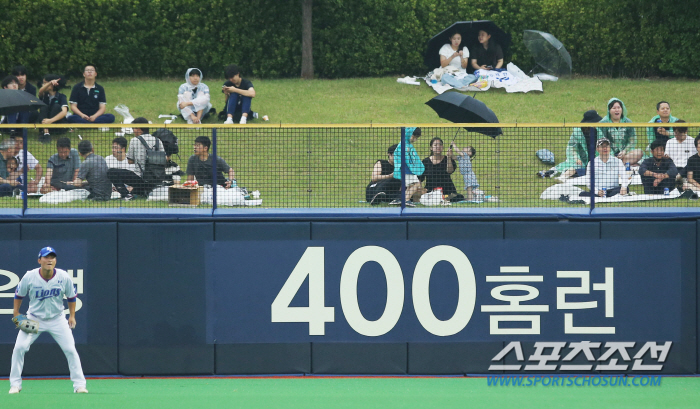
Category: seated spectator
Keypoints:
(118, 158)
(658, 172)
(692, 168)
(62, 167)
(239, 96)
(193, 98)
(464, 159)
(609, 172)
(11, 82)
(92, 174)
(454, 54)
(14, 173)
(623, 140)
(122, 179)
(680, 148)
(20, 71)
(56, 108)
(382, 186)
(32, 164)
(439, 169)
(200, 166)
(88, 101)
(663, 111)
(414, 166)
(576, 150)
(7, 181)
(488, 54)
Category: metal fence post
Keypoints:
(403, 167)
(213, 169)
(25, 171)
(591, 162)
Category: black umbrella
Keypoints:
(460, 108)
(549, 53)
(469, 31)
(12, 101)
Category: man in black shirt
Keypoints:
(239, 95)
(20, 71)
(199, 166)
(659, 171)
(692, 181)
(88, 101)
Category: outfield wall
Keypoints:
(416, 296)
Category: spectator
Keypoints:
(32, 164)
(692, 181)
(56, 108)
(93, 173)
(6, 183)
(414, 166)
(136, 155)
(659, 171)
(88, 100)
(14, 173)
(680, 148)
(20, 71)
(200, 166)
(452, 55)
(382, 186)
(609, 172)
(663, 110)
(239, 96)
(488, 54)
(623, 140)
(439, 169)
(11, 82)
(471, 184)
(576, 150)
(193, 98)
(62, 167)
(118, 158)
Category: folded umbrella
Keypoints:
(12, 101)
(460, 108)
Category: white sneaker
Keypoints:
(81, 390)
(244, 119)
(14, 389)
(255, 115)
(228, 121)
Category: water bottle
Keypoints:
(627, 166)
(605, 191)
(666, 192)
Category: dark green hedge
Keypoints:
(351, 37)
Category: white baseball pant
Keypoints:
(61, 332)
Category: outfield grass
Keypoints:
(342, 393)
(329, 167)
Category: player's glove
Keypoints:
(25, 324)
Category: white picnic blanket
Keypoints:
(512, 80)
(556, 191)
(583, 180)
(234, 196)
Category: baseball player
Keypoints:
(45, 287)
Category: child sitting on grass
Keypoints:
(471, 184)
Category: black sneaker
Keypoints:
(128, 197)
(45, 138)
(410, 204)
(395, 202)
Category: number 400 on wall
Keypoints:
(317, 314)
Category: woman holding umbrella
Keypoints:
(439, 169)
(452, 55)
(488, 54)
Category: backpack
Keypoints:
(169, 141)
(154, 169)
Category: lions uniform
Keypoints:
(46, 307)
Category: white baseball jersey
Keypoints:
(46, 297)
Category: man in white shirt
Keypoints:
(680, 148)
(118, 158)
(32, 163)
(45, 287)
(136, 155)
(609, 172)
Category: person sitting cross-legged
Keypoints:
(92, 174)
(193, 99)
(658, 172)
(200, 166)
(62, 167)
(122, 179)
(88, 101)
(610, 177)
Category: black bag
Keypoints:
(383, 191)
(154, 169)
(169, 141)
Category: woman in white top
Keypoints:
(451, 54)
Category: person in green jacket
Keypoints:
(414, 165)
(663, 115)
(577, 149)
(623, 140)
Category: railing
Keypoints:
(330, 166)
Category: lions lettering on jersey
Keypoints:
(44, 294)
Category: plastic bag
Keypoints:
(123, 110)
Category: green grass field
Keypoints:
(341, 393)
(329, 167)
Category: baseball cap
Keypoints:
(591, 117)
(46, 251)
(602, 141)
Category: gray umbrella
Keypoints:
(12, 101)
(548, 52)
